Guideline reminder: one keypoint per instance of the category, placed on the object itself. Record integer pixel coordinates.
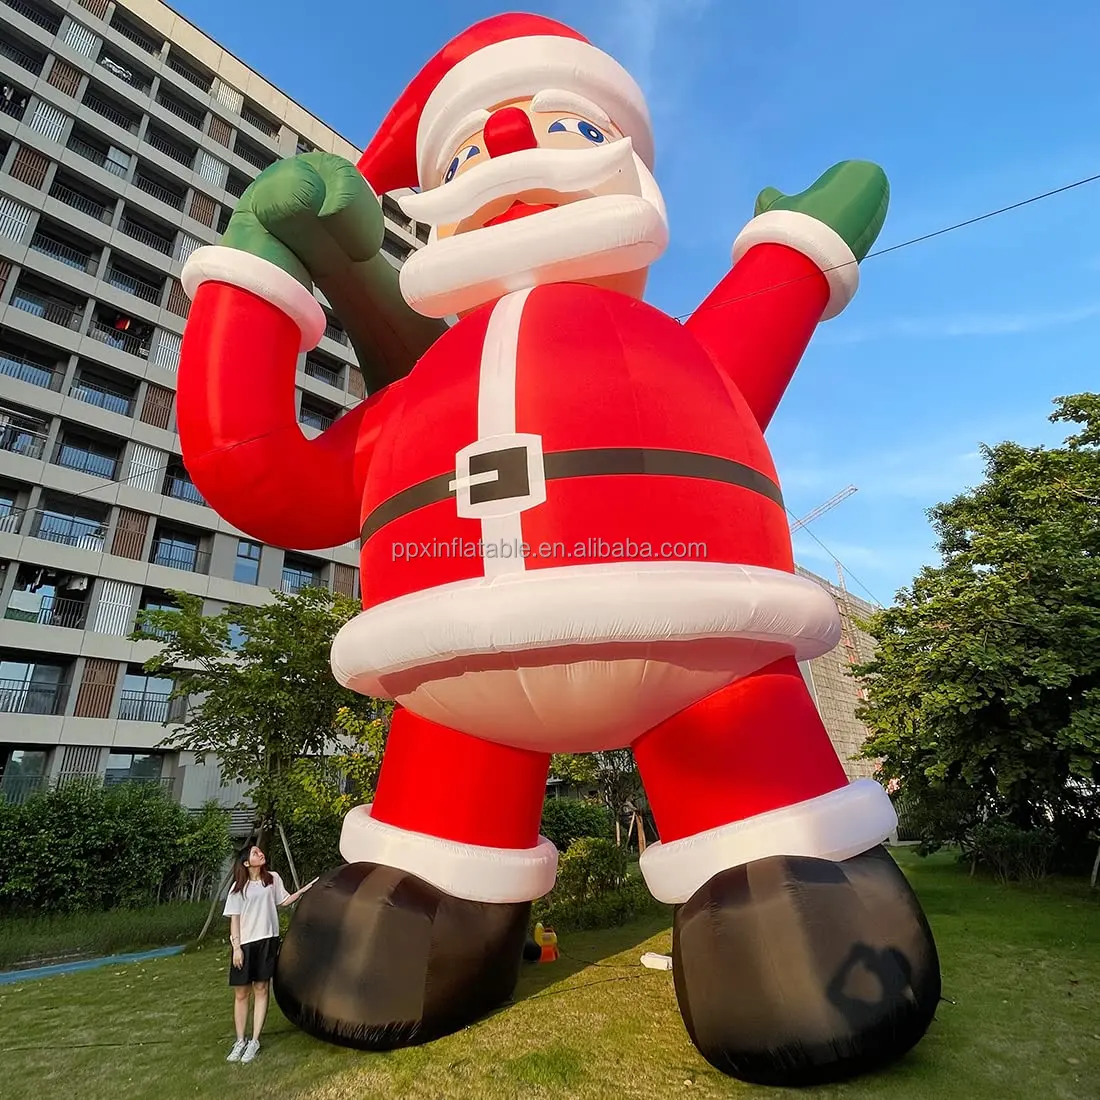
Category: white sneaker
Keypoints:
(238, 1049)
(251, 1050)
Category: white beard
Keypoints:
(608, 234)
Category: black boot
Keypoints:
(379, 959)
(800, 971)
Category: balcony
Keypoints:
(139, 38)
(123, 341)
(11, 521)
(88, 151)
(177, 150)
(77, 454)
(16, 106)
(116, 115)
(86, 204)
(50, 309)
(32, 62)
(255, 119)
(19, 697)
(25, 440)
(251, 154)
(52, 611)
(150, 186)
(236, 184)
(150, 706)
(183, 488)
(324, 373)
(19, 366)
(146, 235)
(190, 74)
(315, 418)
(175, 555)
(17, 789)
(140, 288)
(95, 391)
(126, 73)
(334, 332)
(86, 534)
(47, 20)
(64, 253)
(191, 115)
(294, 580)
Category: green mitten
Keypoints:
(851, 198)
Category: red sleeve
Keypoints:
(757, 322)
(241, 441)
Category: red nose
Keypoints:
(508, 131)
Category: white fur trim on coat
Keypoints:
(218, 264)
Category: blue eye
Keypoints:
(451, 171)
(471, 152)
(579, 126)
(463, 155)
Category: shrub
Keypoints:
(565, 820)
(617, 907)
(84, 847)
(589, 868)
(1011, 852)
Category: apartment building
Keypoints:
(126, 138)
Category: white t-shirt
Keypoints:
(256, 906)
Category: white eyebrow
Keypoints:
(557, 99)
(467, 127)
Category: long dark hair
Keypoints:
(241, 877)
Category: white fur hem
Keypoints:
(584, 605)
(816, 241)
(218, 264)
(469, 871)
(836, 826)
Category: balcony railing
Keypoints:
(16, 789)
(335, 332)
(174, 556)
(88, 534)
(85, 204)
(182, 153)
(183, 488)
(103, 396)
(236, 185)
(313, 419)
(63, 253)
(53, 611)
(97, 156)
(148, 237)
(49, 309)
(158, 191)
(188, 73)
(45, 19)
(111, 113)
(191, 115)
(293, 581)
(16, 106)
(74, 457)
(258, 158)
(28, 442)
(139, 38)
(23, 59)
(11, 521)
(19, 697)
(27, 370)
(150, 706)
(124, 341)
(323, 373)
(124, 73)
(259, 122)
(147, 291)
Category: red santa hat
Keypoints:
(505, 57)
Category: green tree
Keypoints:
(984, 691)
(613, 773)
(262, 706)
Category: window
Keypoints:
(27, 687)
(134, 767)
(247, 568)
(299, 574)
(145, 698)
(176, 552)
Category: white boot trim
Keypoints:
(836, 826)
(468, 871)
(816, 241)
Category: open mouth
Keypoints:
(520, 209)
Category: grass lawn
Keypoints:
(1021, 964)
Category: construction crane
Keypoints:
(821, 509)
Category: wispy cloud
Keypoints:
(964, 325)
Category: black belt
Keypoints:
(510, 465)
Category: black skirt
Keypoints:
(259, 962)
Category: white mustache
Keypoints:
(538, 169)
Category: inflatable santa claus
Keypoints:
(573, 539)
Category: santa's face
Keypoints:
(532, 191)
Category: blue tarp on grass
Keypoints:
(10, 977)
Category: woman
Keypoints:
(254, 934)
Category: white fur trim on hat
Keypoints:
(816, 241)
(522, 67)
(836, 826)
(218, 264)
(469, 871)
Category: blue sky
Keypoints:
(957, 341)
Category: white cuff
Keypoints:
(218, 264)
(836, 826)
(816, 241)
(502, 875)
